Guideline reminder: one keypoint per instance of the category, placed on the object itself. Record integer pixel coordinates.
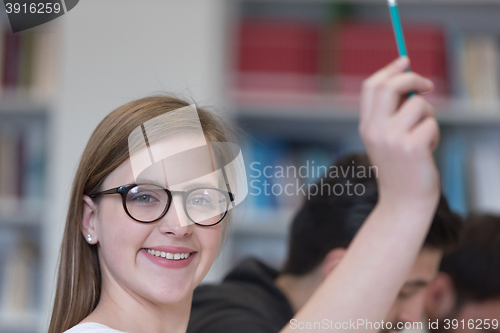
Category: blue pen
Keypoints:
(396, 25)
(398, 31)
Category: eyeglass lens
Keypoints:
(204, 206)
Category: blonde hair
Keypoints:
(79, 278)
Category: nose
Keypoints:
(175, 222)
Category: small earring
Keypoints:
(89, 238)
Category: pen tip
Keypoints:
(391, 2)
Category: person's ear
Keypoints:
(331, 260)
(440, 297)
(89, 214)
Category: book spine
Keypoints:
(11, 61)
(278, 56)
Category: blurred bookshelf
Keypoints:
(293, 80)
(449, 116)
(27, 86)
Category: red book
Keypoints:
(279, 55)
(364, 47)
(11, 60)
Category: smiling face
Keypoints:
(159, 262)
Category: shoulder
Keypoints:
(232, 295)
(246, 301)
(91, 328)
(250, 280)
(228, 322)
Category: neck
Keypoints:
(298, 289)
(136, 315)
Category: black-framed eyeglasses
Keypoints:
(148, 202)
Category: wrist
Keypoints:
(408, 203)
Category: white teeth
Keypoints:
(174, 256)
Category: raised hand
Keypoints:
(400, 134)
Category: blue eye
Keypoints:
(144, 198)
(200, 201)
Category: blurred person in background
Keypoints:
(465, 297)
(256, 298)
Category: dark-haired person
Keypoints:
(465, 297)
(255, 298)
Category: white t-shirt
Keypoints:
(91, 328)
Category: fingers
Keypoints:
(412, 112)
(426, 133)
(393, 89)
(370, 84)
(397, 66)
(400, 133)
(385, 112)
(383, 92)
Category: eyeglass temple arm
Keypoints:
(110, 191)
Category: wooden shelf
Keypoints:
(342, 110)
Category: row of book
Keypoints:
(28, 63)
(469, 165)
(21, 164)
(281, 174)
(296, 56)
(478, 71)
(333, 58)
(469, 172)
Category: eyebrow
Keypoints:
(148, 181)
(188, 185)
(416, 283)
(198, 184)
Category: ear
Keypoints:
(440, 297)
(331, 260)
(89, 214)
